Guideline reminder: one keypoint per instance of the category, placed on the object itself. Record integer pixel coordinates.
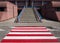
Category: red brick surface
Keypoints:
(3, 16)
(56, 3)
(15, 11)
(58, 15)
(50, 12)
(10, 11)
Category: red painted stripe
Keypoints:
(29, 34)
(32, 28)
(30, 40)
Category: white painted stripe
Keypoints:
(29, 33)
(30, 37)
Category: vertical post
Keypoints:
(16, 2)
(26, 3)
(32, 4)
(42, 3)
(13, 14)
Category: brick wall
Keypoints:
(58, 15)
(15, 11)
(10, 11)
(49, 11)
(56, 4)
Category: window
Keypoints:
(2, 8)
(57, 8)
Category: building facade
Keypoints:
(49, 9)
(7, 10)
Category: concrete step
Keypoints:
(30, 35)
(28, 15)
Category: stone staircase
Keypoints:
(28, 16)
(30, 34)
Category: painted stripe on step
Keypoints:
(29, 33)
(30, 37)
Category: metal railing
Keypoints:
(20, 14)
(38, 14)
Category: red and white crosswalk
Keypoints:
(29, 35)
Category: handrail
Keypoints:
(20, 14)
(38, 14)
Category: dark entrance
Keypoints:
(29, 3)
